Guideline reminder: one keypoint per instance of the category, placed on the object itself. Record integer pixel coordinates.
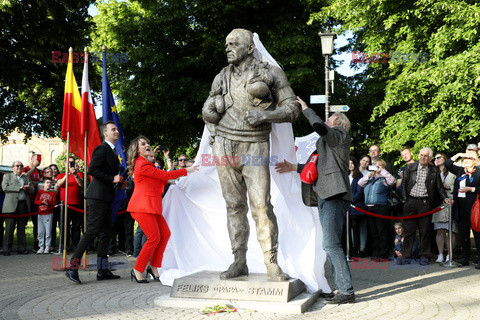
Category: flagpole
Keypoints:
(65, 221)
(85, 176)
(84, 199)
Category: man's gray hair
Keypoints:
(15, 162)
(342, 121)
(430, 151)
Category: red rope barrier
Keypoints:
(81, 210)
(398, 218)
(49, 209)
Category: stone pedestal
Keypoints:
(254, 287)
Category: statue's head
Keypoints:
(239, 46)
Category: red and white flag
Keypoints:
(88, 119)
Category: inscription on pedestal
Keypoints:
(253, 287)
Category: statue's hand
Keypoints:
(255, 117)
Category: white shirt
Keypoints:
(110, 144)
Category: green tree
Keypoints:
(31, 85)
(431, 83)
(176, 48)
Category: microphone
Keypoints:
(123, 176)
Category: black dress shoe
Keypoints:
(6, 253)
(106, 275)
(73, 275)
(341, 298)
(464, 262)
(150, 271)
(324, 295)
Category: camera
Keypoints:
(372, 168)
(72, 164)
(162, 148)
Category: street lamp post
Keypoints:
(326, 39)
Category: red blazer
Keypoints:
(149, 183)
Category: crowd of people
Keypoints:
(422, 186)
(43, 188)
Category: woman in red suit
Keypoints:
(145, 206)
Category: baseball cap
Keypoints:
(472, 146)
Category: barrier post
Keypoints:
(60, 236)
(347, 235)
(450, 263)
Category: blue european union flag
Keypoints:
(110, 114)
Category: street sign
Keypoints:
(339, 108)
(317, 99)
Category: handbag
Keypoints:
(393, 198)
(475, 215)
(309, 173)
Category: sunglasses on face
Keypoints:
(438, 157)
(182, 160)
(18, 165)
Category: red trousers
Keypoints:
(157, 232)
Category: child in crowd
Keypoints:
(45, 199)
(399, 237)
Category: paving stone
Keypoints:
(30, 289)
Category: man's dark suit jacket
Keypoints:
(103, 168)
(433, 183)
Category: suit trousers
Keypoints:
(10, 223)
(243, 167)
(99, 222)
(424, 224)
(465, 224)
(156, 229)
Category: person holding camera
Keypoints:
(376, 186)
(75, 184)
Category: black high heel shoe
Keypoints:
(150, 271)
(132, 276)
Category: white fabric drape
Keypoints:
(195, 211)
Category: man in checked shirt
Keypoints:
(421, 186)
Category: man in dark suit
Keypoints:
(421, 186)
(104, 169)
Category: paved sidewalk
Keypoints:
(30, 289)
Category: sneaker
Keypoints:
(46, 250)
(439, 259)
(40, 251)
(448, 258)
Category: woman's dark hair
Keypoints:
(444, 156)
(356, 174)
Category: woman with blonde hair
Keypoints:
(465, 191)
(145, 206)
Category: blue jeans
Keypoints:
(332, 217)
(139, 240)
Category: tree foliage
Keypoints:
(31, 86)
(176, 48)
(429, 100)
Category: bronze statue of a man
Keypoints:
(246, 97)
